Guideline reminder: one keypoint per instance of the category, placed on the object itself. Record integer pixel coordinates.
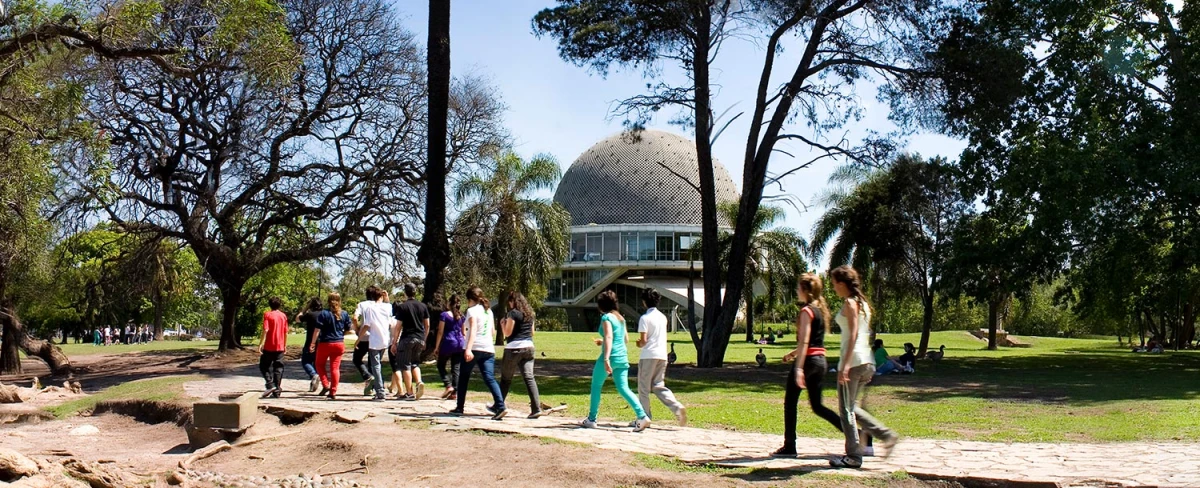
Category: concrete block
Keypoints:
(233, 413)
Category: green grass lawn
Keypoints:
(1074, 390)
(165, 389)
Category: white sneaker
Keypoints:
(588, 424)
(642, 424)
(420, 390)
(633, 423)
(681, 416)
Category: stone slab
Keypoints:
(234, 413)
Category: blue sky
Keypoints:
(560, 109)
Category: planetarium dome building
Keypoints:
(635, 214)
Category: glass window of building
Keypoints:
(665, 247)
(629, 246)
(612, 246)
(578, 247)
(594, 243)
(646, 246)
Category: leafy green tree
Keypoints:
(895, 225)
(842, 42)
(505, 238)
(1081, 119)
(265, 158)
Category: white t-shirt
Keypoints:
(484, 324)
(654, 324)
(860, 353)
(378, 319)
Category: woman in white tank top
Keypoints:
(855, 369)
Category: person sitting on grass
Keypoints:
(908, 360)
(770, 336)
(883, 363)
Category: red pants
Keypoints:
(330, 352)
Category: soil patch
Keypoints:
(147, 411)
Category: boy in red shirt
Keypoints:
(274, 343)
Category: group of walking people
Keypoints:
(855, 368)
(465, 341)
(130, 334)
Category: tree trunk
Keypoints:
(993, 322)
(716, 331)
(158, 315)
(691, 318)
(231, 301)
(434, 253)
(750, 317)
(500, 310)
(15, 337)
(926, 323)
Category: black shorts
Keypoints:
(408, 354)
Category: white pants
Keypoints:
(652, 375)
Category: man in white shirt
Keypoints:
(377, 320)
(652, 367)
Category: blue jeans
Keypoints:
(308, 361)
(885, 368)
(375, 362)
(487, 367)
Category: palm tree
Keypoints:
(776, 256)
(891, 224)
(505, 237)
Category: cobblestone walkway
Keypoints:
(1031, 464)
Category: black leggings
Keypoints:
(814, 374)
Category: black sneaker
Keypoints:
(409, 398)
(276, 393)
(456, 413)
(845, 462)
(536, 414)
(492, 408)
(324, 391)
(378, 398)
(784, 452)
(500, 414)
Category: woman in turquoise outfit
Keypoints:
(613, 360)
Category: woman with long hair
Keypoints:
(518, 350)
(808, 361)
(449, 346)
(614, 361)
(308, 359)
(480, 351)
(330, 345)
(855, 369)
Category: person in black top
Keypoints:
(518, 350)
(808, 362)
(308, 359)
(408, 340)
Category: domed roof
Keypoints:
(648, 177)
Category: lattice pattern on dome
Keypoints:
(638, 179)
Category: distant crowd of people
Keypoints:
(130, 334)
(463, 341)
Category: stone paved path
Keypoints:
(1098, 465)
